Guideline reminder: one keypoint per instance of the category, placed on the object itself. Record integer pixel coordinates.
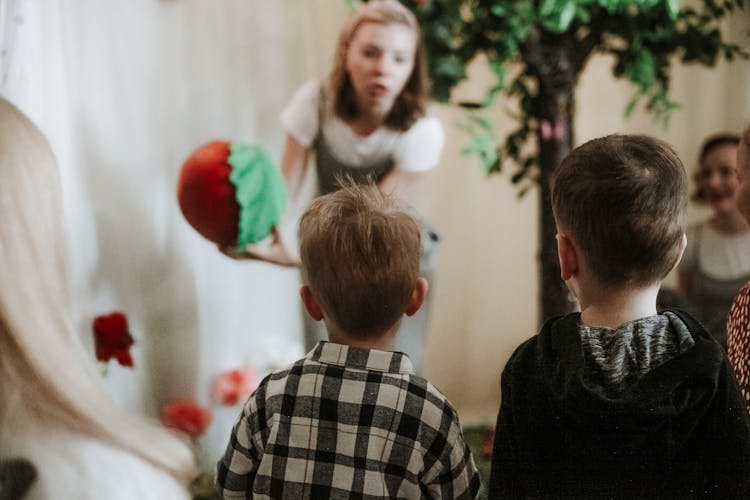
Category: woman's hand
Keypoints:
(272, 249)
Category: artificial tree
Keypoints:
(537, 50)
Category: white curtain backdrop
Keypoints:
(125, 90)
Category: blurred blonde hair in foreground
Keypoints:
(55, 411)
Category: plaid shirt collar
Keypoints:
(362, 359)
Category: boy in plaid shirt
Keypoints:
(350, 419)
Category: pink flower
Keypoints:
(557, 131)
(112, 338)
(235, 385)
(187, 416)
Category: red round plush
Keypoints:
(207, 196)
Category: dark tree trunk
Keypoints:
(556, 71)
(555, 297)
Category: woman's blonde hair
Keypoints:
(44, 367)
(411, 103)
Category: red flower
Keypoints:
(235, 385)
(187, 416)
(112, 338)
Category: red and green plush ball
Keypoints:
(231, 193)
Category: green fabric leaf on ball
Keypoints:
(260, 192)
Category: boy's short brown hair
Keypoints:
(622, 199)
(360, 254)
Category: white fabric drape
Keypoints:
(126, 90)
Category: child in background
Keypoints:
(717, 259)
(351, 419)
(618, 401)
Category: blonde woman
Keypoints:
(61, 435)
(368, 120)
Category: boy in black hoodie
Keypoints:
(618, 401)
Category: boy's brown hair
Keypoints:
(622, 199)
(360, 254)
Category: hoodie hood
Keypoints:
(652, 377)
(650, 410)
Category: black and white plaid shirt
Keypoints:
(347, 423)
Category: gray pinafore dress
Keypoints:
(411, 336)
(710, 297)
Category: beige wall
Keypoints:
(485, 295)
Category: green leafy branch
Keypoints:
(643, 36)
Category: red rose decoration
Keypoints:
(235, 385)
(113, 339)
(187, 416)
